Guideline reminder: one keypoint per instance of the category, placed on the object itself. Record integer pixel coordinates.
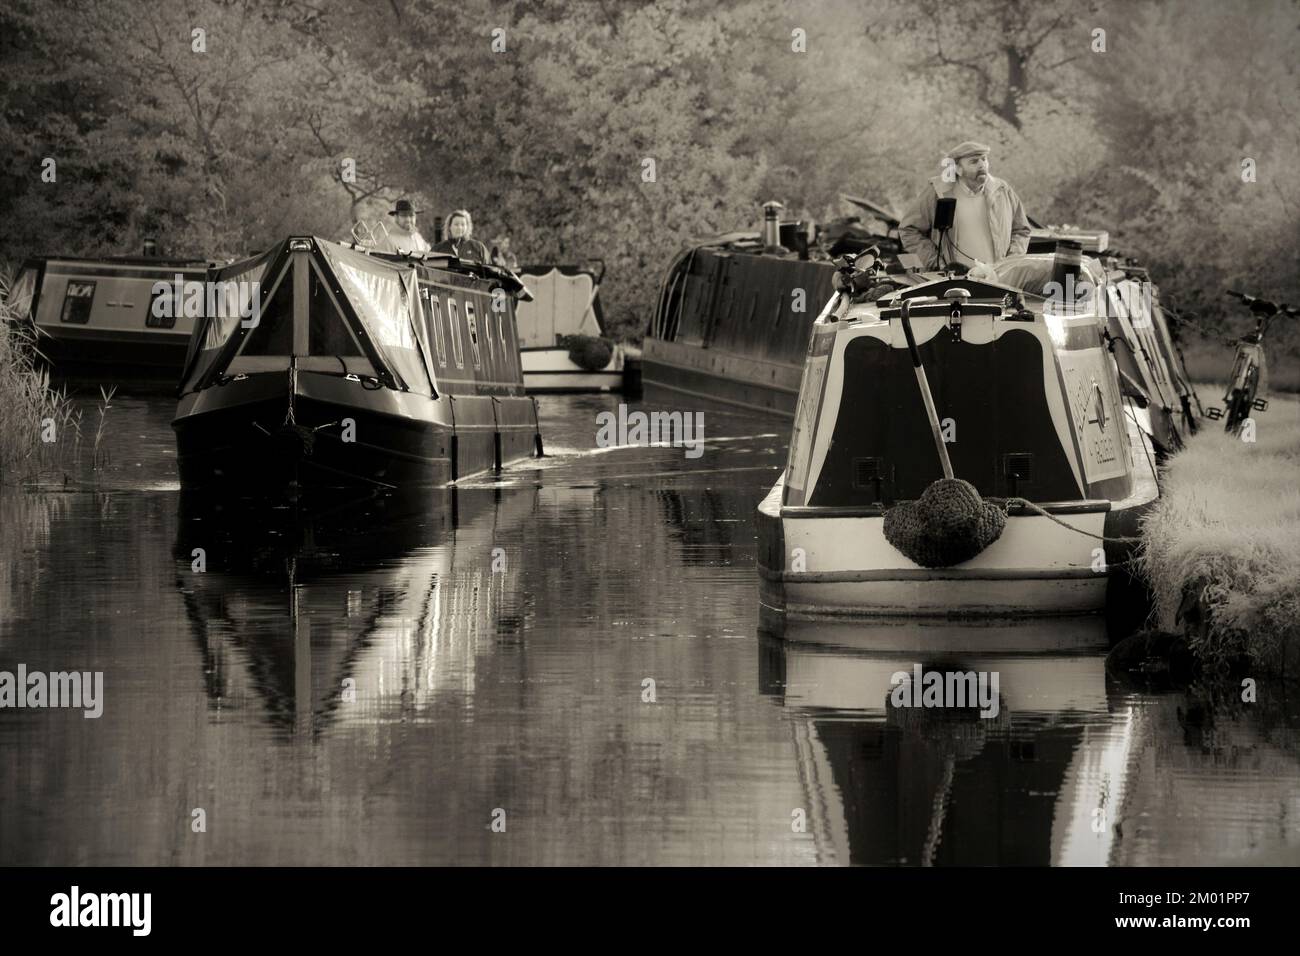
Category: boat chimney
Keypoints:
(437, 229)
(772, 228)
(151, 248)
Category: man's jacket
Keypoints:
(1007, 220)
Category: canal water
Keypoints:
(563, 665)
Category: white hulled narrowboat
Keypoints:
(562, 323)
(1028, 406)
(101, 317)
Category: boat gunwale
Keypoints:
(1083, 506)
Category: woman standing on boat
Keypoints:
(460, 241)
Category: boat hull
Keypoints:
(552, 371)
(820, 564)
(114, 357)
(718, 376)
(94, 318)
(340, 434)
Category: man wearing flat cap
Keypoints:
(988, 224)
(402, 235)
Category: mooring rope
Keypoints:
(1119, 539)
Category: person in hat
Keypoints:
(402, 235)
(460, 241)
(989, 221)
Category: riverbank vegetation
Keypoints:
(29, 405)
(623, 130)
(41, 423)
(1221, 549)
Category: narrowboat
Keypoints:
(121, 320)
(731, 324)
(966, 447)
(357, 368)
(561, 332)
(733, 317)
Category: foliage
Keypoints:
(31, 411)
(540, 116)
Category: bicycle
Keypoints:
(1248, 366)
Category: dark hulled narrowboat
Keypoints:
(734, 312)
(359, 369)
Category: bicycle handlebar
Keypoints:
(1263, 306)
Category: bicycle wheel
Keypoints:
(1239, 408)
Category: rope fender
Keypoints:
(950, 523)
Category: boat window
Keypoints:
(435, 319)
(487, 337)
(77, 302)
(471, 322)
(152, 318)
(327, 330)
(501, 337)
(273, 334)
(453, 313)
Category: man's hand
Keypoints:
(984, 272)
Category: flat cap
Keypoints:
(968, 148)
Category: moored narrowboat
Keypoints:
(733, 316)
(121, 320)
(357, 368)
(996, 464)
(561, 332)
(731, 324)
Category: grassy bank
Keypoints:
(1222, 547)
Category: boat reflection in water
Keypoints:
(347, 609)
(1036, 783)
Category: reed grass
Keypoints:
(40, 425)
(1221, 548)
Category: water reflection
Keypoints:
(496, 639)
(347, 609)
(927, 786)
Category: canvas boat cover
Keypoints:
(380, 313)
(565, 302)
(385, 297)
